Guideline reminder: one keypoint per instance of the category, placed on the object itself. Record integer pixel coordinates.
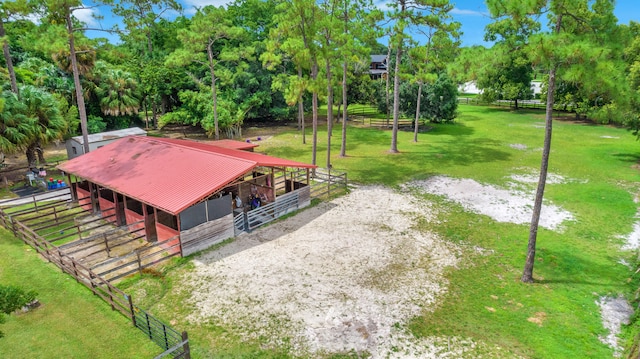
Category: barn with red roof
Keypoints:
(201, 193)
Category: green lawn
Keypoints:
(70, 323)
(557, 317)
(573, 268)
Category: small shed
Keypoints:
(75, 145)
(186, 189)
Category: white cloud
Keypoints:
(191, 5)
(86, 16)
(383, 5)
(457, 11)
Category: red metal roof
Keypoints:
(168, 174)
(236, 145)
(261, 159)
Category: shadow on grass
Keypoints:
(628, 157)
(569, 267)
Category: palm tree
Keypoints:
(15, 126)
(48, 123)
(118, 93)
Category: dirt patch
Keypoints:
(538, 318)
(344, 276)
(502, 205)
(615, 312)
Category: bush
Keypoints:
(13, 298)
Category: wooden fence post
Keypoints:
(75, 270)
(133, 313)
(185, 346)
(139, 262)
(106, 245)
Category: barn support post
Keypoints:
(72, 188)
(272, 181)
(150, 223)
(179, 236)
(93, 189)
(284, 174)
(118, 203)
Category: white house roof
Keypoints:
(110, 135)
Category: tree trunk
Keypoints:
(301, 110)
(154, 113)
(76, 81)
(7, 59)
(146, 113)
(516, 104)
(329, 111)
(214, 95)
(415, 128)
(30, 152)
(527, 274)
(345, 113)
(314, 110)
(386, 93)
(396, 100)
(40, 152)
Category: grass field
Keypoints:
(557, 317)
(486, 301)
(70, 323)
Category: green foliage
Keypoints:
(13, 298)
(439, 100)
(95, 124)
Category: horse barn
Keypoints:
(194, 192)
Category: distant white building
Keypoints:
(75, 145)
(470, 87)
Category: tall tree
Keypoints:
(406, 14)
(140, 16)
(358, 31)
(9, 9)
(61, 11)
(507, 72)
(428, 60)
(143, 22)
(208, 40)
(570, 47)
(296, 37)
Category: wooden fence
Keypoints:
(136, 261)
(173, 343)
(522, 104)
(325, 183)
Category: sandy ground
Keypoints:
(346, 276)
(342, 276)
(503, 205)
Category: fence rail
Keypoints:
(173, 343)
(269, 212)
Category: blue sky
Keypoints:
(472, 14)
